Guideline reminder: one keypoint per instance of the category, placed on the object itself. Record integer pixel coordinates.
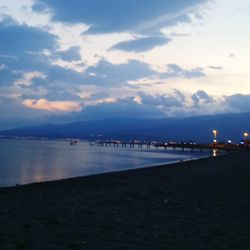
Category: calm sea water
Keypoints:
(23, 161)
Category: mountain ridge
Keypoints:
(198, 128)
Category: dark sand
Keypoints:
(203, 204)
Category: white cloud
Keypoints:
(28, 77)
(69, 35)
(100, 101)
(137, 99)
(77, 66)
(21, 12)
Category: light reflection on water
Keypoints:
(35, 161)
(215, 152)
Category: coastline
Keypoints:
(197, 204)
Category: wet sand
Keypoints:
(202, 204)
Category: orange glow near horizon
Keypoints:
(43, 104)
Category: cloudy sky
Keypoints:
(63, 61)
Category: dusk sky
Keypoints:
(65, 61)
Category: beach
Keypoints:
(200, 204)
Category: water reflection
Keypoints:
(215, 152)
(35, 161)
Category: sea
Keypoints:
(29, 161)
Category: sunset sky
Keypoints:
(64, 61)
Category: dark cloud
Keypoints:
(104, 74)
(17, 40)
(56, 74)
(201, 96)
(54, 92)
(60, 94)
(108, 74)
(16, 44)
(112, 15)
(147, 106)
(238, 102)
(122, 108)
(99, 95)
(142, 44)
(161, 100)
(179, 95)
(176, 71)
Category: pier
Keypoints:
(180, 146)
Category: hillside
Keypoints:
(199, 129)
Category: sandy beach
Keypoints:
(201, 204)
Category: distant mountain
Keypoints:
(199, 129)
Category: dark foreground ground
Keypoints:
(203, 204)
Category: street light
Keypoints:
(215, 132)
(245, 138)
(245, 135)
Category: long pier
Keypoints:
(171, 145)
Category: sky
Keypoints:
(65, 61)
